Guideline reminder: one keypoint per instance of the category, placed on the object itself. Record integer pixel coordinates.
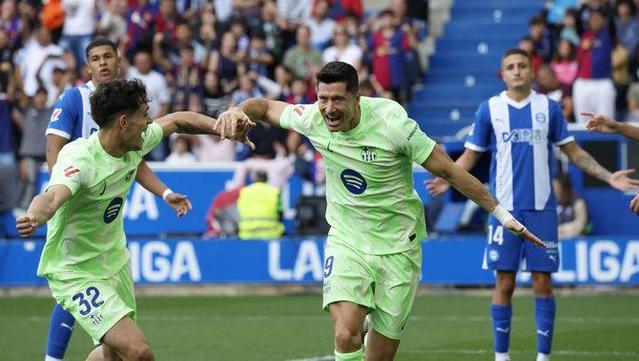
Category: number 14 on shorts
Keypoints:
(497, 236)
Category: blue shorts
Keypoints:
(507, 252)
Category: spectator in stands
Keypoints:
(540, 35)
(180, 154)
(214, 99)
(113, 23)
(298, 93)
(8, 175)
(343, 49)
(389, 46)
(303, 59)
(568, 107)
(572, 213)
(11, 22)
(527, 44)
(35, 119)
(167, 51)
(620, 75)
(272, 25)
(294, 11)
(238, 29)
(283, 79)
(188, 9)
(212, 148)
(31, 57)
(79, 27)
(594, 91)
(632, 98)
(548, 84)
(571, 27)
(259, 58)
(247, 89)
(320, 25)
(53, 75)
(627, 26)
(564, 65)
(557, 10)
(167, 19)
(340, 9)
(226, 62)
(259, 206)
(141, 20)
(156, 85)
(187, 79)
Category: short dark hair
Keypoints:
(100, 42)
(42, 90)
(339, 71)
(116, 97)
(517, 51)
(537, 20)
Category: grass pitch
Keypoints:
(442, 327)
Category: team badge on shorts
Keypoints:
(493, 255)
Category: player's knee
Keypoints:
(506, 287)
(141, 352)
(348, 339)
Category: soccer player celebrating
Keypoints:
(603, 124)
(373, 251)
(71, 119)
(519, 127)
(85, 258)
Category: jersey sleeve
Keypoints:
(152, 137)
(298, 117)
(558, 132)
(479, 137)
(73, 168)
(65, 114)
(407, 137)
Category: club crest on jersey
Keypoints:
(540, 117)
(368, 154)
(353, 181)
(112, 210)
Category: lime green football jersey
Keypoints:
(85, 237)
(372, 204)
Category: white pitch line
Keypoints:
(318, 358)
(608, 353)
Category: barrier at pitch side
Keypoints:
(446, 261)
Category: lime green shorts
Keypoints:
(385, 284)
(97, 304)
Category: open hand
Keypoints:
(180, 203)
(600, 123)
(620, 180)
(436, 186)
(518, 229)
(234, 124)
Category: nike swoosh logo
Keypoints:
(328, 146)
(103, 189)
(544, 333)
(66, 326)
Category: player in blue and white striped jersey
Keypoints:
(71, 119)
(519, 127)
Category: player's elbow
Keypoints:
(141, 352)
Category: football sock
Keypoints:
(501, 326)
(543, 357)
(545, 320)
(501, 356)
(60, 329)
(351, 356)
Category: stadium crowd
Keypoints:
(196, 55)
(586, 56)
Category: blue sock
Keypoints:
(545, 320)
(60, 329)
(501, 326)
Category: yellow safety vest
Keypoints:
(259, 207)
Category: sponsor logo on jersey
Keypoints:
(56, 114)
(412, 132)
(70, 170)
(112, 210)
(524, 135)
(353, 181)
(368, 154)
(299, 109)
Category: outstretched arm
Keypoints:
(588, 164)
(442, 166)
(194, 123)
(269, 111)
(42, 208)
(150, 181)
(466, 161)
(603, 124)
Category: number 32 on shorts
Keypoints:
(88, 299)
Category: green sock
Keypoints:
(352, 356)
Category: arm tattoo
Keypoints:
(589, 165)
